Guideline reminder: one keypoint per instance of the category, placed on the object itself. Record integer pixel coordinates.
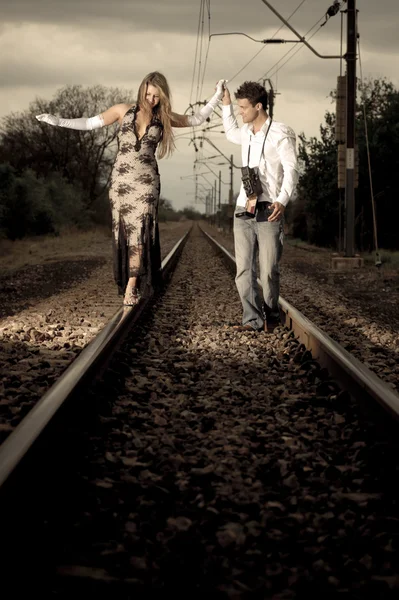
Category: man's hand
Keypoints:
(277, 212)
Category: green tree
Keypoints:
(315, 214)
(190, 213)
(166, 212)
(33, 206)
(381, 102)
(84, 158)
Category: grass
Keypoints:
(387, 257)
(298, 243)
(73, 243)
(70, 244)
(38, 249)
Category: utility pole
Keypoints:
(220, 188)
(350, 128)
(219, 199)
(230, 214)
(214, 203)
(349, 146)
(231, 181)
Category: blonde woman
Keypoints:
(135, 183)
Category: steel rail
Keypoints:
(350, 372)
(16, 446)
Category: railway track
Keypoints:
(39, 342)
(349, 371)
(204, 460)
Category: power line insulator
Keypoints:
(334, 8)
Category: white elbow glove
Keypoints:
(206, 111)
(81, 124)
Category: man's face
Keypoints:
(248, 113)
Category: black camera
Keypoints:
(253, 189)
(251, 182)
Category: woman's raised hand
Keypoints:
(220, 86)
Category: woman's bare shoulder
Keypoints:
(123, 108)
(116, 113)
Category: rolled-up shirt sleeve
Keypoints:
(286, 149)
(231, 129)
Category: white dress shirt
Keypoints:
(278, 166)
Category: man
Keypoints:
(270, 147)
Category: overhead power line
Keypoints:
(291, 51)
(273, 36)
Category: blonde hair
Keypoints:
(163, 110)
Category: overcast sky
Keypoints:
(45, 44)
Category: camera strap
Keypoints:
(263, 145)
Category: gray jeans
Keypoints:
(255, 238)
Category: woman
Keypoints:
(135, 183)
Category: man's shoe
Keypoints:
(271, 325)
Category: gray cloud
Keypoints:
(182, 15)
(46, 44)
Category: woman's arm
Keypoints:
(230, 125)
(110, 116)
(204, 113)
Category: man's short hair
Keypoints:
(253, 92)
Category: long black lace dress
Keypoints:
(134, 198)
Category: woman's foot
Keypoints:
(132, 297)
